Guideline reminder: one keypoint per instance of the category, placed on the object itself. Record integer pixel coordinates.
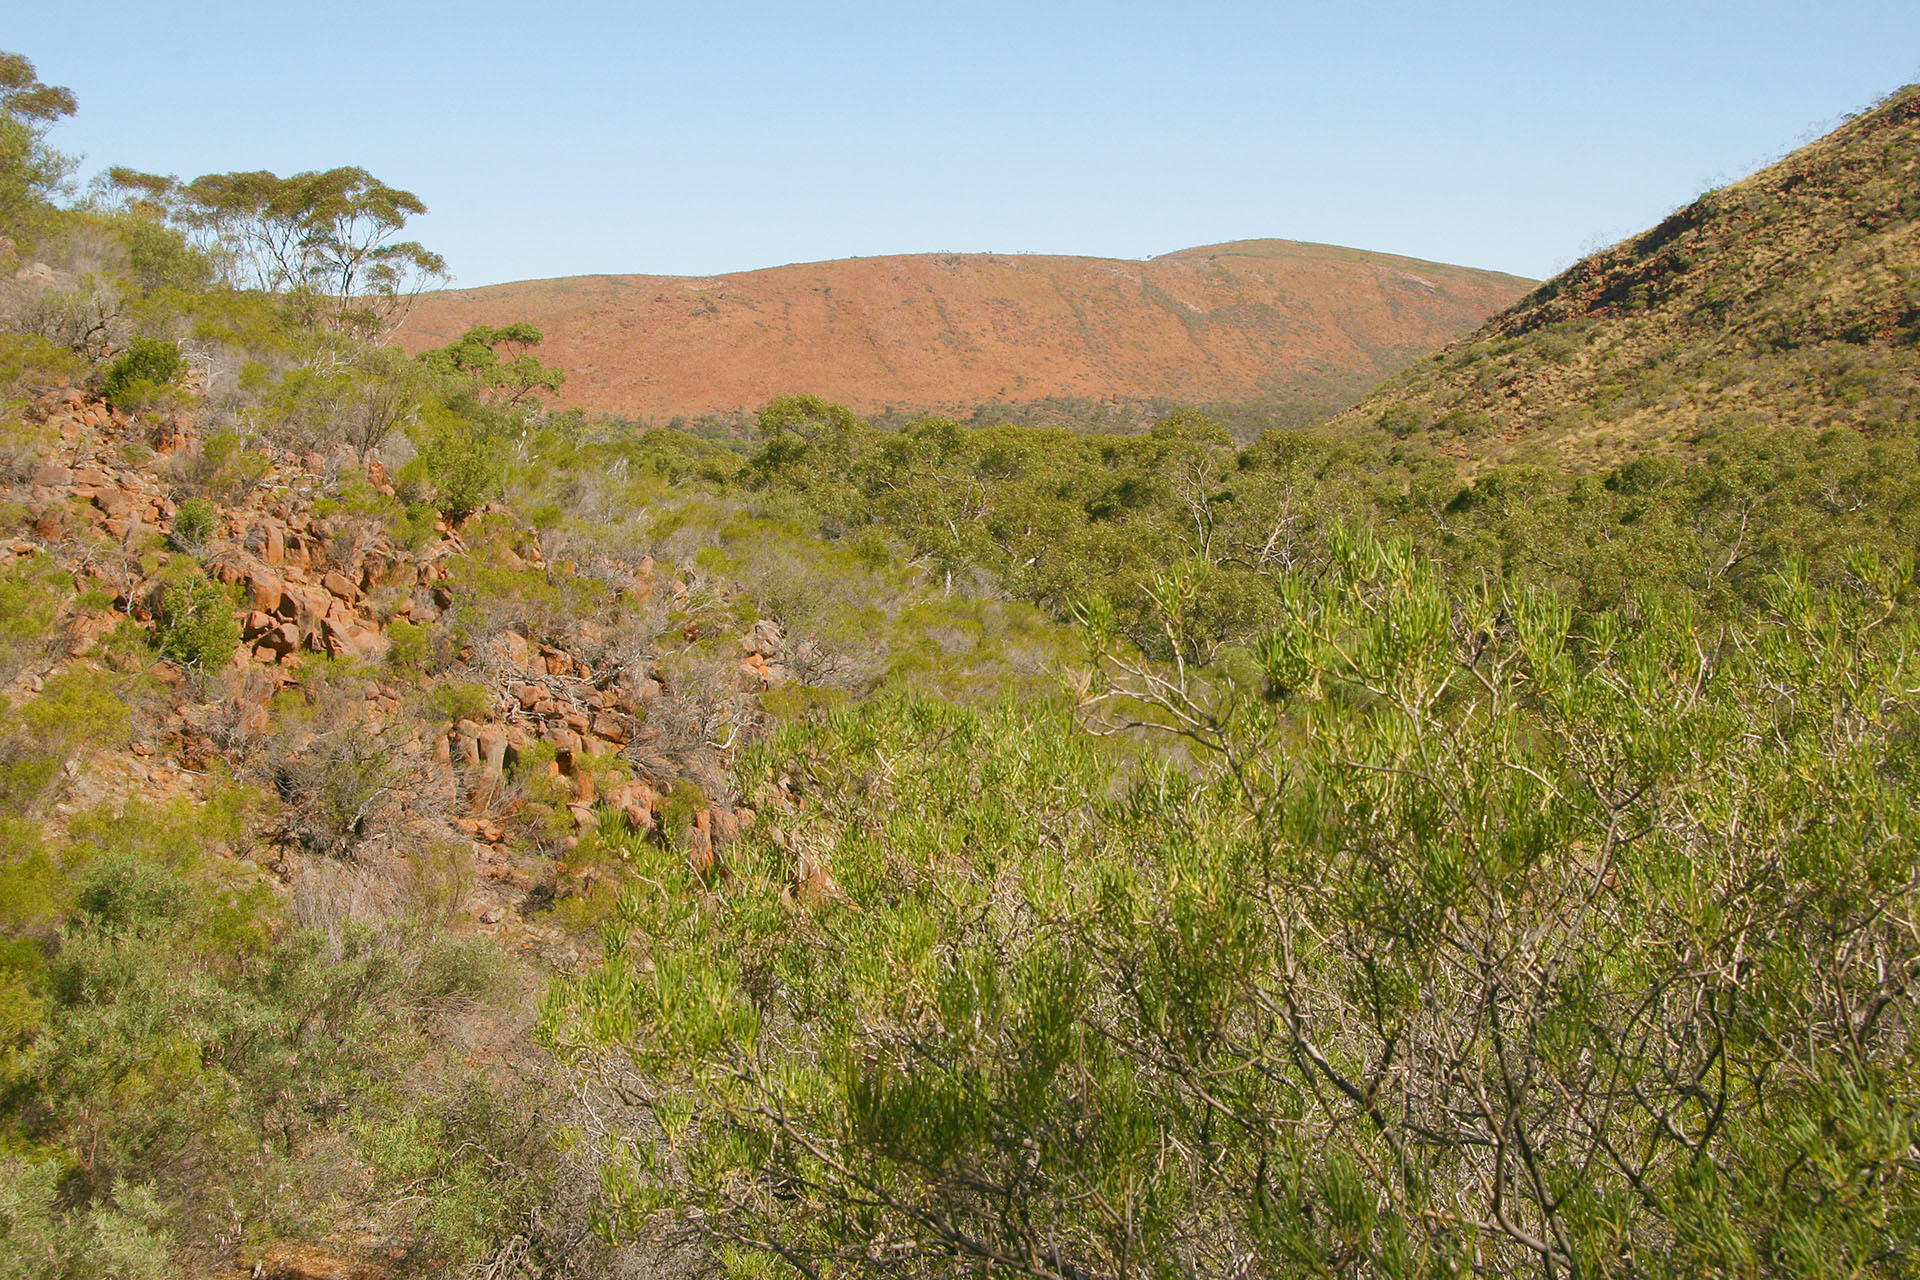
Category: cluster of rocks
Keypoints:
(89, 482)
(764, 664)
(590, 723)
(290, 611)
(312, 582)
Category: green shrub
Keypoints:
(535, 602)
(679, 806)
(31, 591)
(78, 708)
(455, 700)
(796, 701)
(991, 991)
(26, 776)
(1399, 420)
(160, 258)
(75, 710)
(1469, 424)
(142, 374)
(409, 645)
(29, 362)
(460, 461)
(437, 880)
(478, 1155)
(224, 466)
(194, 524)
(129, 894)
(196, 624)
(337, 789)
(119, 1237)
(459, 969)
(33, 890)
(177, 1041)
(413, 527)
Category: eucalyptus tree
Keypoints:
(328, 241)
(498, 361)
(30, 170)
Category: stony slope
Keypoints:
(1296, 324)
(315, 583)
(1789, 298)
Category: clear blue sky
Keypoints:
(696, 138)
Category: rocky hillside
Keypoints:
(1789, 298)
(312, 691)
(1302, 327)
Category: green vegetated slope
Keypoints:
(1483, 942)
(440, 835)
(1789, 298)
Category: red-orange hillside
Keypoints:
(1255, 319)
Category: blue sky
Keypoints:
(697, 138)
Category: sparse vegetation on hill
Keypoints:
(442, 834)
(1789, 299)
(1276, 332)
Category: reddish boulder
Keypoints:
(611, 728)
(341, 586)
(492, 742)
(264, 590)
(269, 541)
(347, 639)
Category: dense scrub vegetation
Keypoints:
(1113, 854)
(259, 990)
(1480, 941)
(203, 1047)
(1058, 518)
(1428, 875)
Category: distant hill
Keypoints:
(1791, 298)
(1301, 328)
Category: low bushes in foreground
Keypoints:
(1477, 940)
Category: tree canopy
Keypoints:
(30, 171)
(325, 239)
(498, 360)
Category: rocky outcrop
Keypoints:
(311, 583)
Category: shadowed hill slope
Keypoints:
(1301, 326)
(1789, 298)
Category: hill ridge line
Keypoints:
(1299, 327)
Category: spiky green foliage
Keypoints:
(147, 368)
(180, 1060)
(196, 625)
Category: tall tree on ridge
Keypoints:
(30, 171)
